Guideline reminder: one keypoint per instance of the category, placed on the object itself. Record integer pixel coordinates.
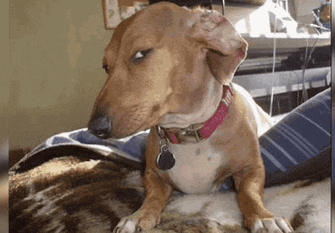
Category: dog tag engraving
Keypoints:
(165, 159)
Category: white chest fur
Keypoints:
(197, 164)
(196, 167)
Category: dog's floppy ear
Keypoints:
(226, 48)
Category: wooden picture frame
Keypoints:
(117, 10)
(112, 16)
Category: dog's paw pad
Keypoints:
(271, 225)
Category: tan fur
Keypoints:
(179, 83)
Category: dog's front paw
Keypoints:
(271, 225)
(128, 225)
(137, 223)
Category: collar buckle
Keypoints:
(192, 134)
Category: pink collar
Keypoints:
(201, 131)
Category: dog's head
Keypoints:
(159, 62)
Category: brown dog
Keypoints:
(170, 69)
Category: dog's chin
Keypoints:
(122, 133)
(119, 134)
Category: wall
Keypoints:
(56, 50)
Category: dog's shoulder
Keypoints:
(249, 107)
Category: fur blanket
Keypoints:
(77, 190)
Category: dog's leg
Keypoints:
(158, 192)
(250, 187)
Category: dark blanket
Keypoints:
(74, 193)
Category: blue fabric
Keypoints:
(133, 145)
(301, 135)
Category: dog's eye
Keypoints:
(106, 68)
(141, 55)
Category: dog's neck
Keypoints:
(208, 107)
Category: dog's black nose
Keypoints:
(100, 127)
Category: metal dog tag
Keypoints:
(165, 159)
